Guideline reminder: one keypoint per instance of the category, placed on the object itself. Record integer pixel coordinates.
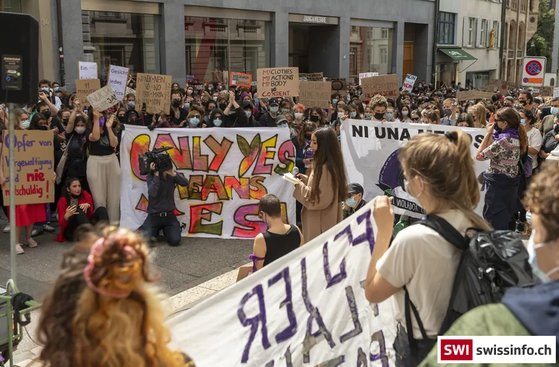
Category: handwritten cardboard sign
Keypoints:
(386, 85)
(87, 70)
(240, 79)
(311, 77)
(85, 87)
(118, 76)
(473, 95)
(366, 75)
(278, 82)
(34, 166)
(155, 91)
(315, 94)
(103, 98)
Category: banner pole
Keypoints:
(12, 186)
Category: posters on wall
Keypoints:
(306, 309)
(229, 170)
(278, 82)
(34, 166)
(118, 77)
(370, 152)
(154, 90)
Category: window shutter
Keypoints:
(465, 34)
(479, 23)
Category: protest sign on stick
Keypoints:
(386, 85)
(311, 77)
(87, 70)
(409, 82)
(85, 87)
(366, 75)
(240, 79)
(155, 91)
(118, 76)
(473, 95)
(278, 82)
(315, 94)
(34, 166)
(103, 98)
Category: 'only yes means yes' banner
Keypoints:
(370, 152)
(306, 309)
(228, 170)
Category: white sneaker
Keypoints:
(32, 243)
(19, 249)
(7, 228)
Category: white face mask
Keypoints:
(533, 259)
(80, 129)
(298, 115)
(25, 124)
(217, 122)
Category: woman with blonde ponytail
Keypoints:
(103, 311)
(439, 173)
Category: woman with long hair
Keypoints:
(439, 173)
(504, 144)
(322, 192)
(103, 311)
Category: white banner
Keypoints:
(229, 170)
(370, 152)
(306, 309)
(118, 76)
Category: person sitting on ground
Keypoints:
(103, 311)
(525, 311)
(279, 239)
(74, 208)
(354, 200)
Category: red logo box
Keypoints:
(456, 349)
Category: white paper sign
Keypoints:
(306, 309)
(367, 75)
(555, 92)
(87, 70)
(409, 82)
(370, 152)
(118, 76)
(229, 170)
(103, 98)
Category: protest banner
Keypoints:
(386, 85)
(306, 309)
(229, 170)
(118, 76)
(370, 151)
(278, 82)
(473, 95)
(34, 166)
(366, 75)
(311, 77)
(87, 70)
(155, 91)
(240, 79)
(103, 98)
(84, 88)
(409, 82)
(315, 94)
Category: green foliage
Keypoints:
(541, 44)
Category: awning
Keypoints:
(457, 54)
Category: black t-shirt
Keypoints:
(278, 245)
(182, 116)
(55, 123)
(76, 144)
(102, 146)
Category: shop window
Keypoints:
(373, 51)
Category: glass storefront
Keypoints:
(124, 39)
(216, 45)
(370, 50)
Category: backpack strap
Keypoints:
(446, 230)
(409, 327)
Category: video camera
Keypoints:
(158, 156)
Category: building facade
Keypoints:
(521, 22)
(204, 39)
(468, 41)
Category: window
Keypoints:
(470, 32)
(494, 35)
(383, 55)
(372, 50)
(384, 33)
(447, 24)
(523, 5)
(483, 34)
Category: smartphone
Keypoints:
(73, 202)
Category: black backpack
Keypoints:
(491, 262)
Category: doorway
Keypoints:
(408, 59)
(314, 48)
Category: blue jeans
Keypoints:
(166, 221)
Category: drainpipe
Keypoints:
(502, 56)
(434, 58)
(60, 48)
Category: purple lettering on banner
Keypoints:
(332, 280)
(357, 328)
(291, 329)
(254, 321)
(311, 339)
(381, 355)
(361, 358)
(369, 235)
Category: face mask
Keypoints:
(45, 89)
(121, 118)
(217, 122)
(405, 113)
(194, 121)
(215, 99)
(314, 118)
(176, 103)
(379, 116)
(350, 202)
(532, 247)
(80, 130)
(25, 124)
(389, 116)
(283, 124)
(131, 105)
(46, 114)
(353, 114)
(248, 114)
(274, 109)
(447, 112)
(522, 121)
(65, 121)
(186, 105)
(334, 101)
(298, 115)
(56, 89)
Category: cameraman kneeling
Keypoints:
(161, 192)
